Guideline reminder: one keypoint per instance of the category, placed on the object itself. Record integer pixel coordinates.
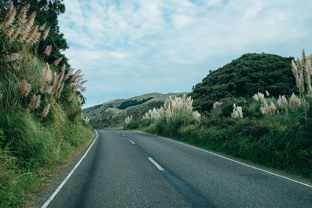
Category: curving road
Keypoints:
(134, 169)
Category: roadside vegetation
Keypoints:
(274, 130)
(40, 100)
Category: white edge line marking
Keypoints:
(46, 204)
(131, 141)
(241, 163)
(155, 163)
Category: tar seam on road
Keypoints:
(46, 204)
(241, 163)
(195, 198)
(155, 163)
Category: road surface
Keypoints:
(133, 169)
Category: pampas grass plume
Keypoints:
(10, 17)
(25, 88)
(46, 111)
(35, 102)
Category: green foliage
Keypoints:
(244, 77)
(32, 146)
(130, 103)
(29, 151)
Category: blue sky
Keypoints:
(131, 47)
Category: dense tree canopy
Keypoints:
(244, 77)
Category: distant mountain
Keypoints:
(243, 77)
(113, 113)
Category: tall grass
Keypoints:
(40, 127)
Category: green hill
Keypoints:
(244, 77)
(112, 114)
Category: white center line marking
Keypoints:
(156, 164)
(131, 141)
(46, 204)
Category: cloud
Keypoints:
(141, 46)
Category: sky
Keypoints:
(127, 48)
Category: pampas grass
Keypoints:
(302, 70)
(216, 105)
(45, 33)
(128, 120)
(25, 88)
(58, 61)
(42, 27)
(171, 108)
(266, 109)
(237, 111)
(259, 97)
(47, 74)
(9, 18)
(294, 101)
(23, 14)
(35, 102)
(21, 30)
(282, 102)
(46, 111)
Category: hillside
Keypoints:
(41, 126)
(245, 76)
(112, 114)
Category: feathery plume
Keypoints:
(35, 38)
(80, 99)
(294, 101)
(282, 101)
(55, 79)
(69, 72)
(47, 74)
(47, 51)
(298, 72)
(59, 90)
(259, 97)
(13, 57)
(24, 87)
(266, 109)
(10, 32)
(23, 14)
(216, 104)
(32, 35)
(237, 111)
(26, 27)
(128, 119)
(45, 33)
(9, 19)
(172, 107)
(267, 93)
(70, 97)
(35, 102)
(46, 111)
(58, 61)
(42, 27)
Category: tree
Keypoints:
(244, 77)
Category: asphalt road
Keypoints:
(133, 169)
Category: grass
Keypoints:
(33, 146)
(34, 152)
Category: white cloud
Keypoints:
(171, 45)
